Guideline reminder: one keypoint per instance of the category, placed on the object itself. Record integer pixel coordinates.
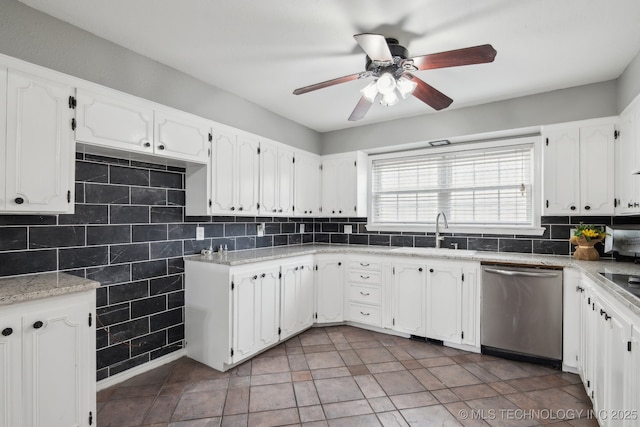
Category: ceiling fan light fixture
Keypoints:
(370, 91)
(390, 99)
(386, 84)
(405, 86)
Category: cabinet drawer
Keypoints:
(365, 294)
(365, 265)
(365, 314)
(369, 277)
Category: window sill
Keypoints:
(430, 228)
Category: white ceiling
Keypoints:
(262, 50)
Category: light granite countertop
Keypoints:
(41, 285)
(590, 268)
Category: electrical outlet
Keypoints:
(260, 229)
(348, 229)
(301, 228)
(199, 233)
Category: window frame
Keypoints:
(536, 195)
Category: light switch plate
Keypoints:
(199, 233)
(348, 229)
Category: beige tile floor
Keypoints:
(345, 376)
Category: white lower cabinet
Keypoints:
(444, 302)
(364, 291)
(409, 289)
(608, 355)
(330, 288)
(47, 362)
(297, 299)
(256, 310)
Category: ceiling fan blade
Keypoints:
(428, 94)
(375, 46)
(328, 83)
(455, 58)
(361, 109)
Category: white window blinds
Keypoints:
(487, 187)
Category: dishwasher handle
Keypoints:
(519, 273)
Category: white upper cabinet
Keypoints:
(276, 179)
(578, 170)
(182, 136)
(246, 176)
(307, 184)
(3, 135)
(224, 169)
(344, 185)
(114, 121)
(40, 151)
(627, 162)
(123, 122)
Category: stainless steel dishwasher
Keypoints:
(522, 313)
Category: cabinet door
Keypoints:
(626, 161)
(330, 186)
(247, 175)
(330, 288)
(307, 184)
(618, 365)
(57, 346)
(632, 385)
(347, 186)
(268, 179)
(596, 170)
(269, 298)
(586, 350)
(599, 352)
(285, 173)
(409, 297)
(10, 372)
(223, 170)
(289, 299)
(181, 136)
(40, 148)
(444, 300)
(561, 172)
(246, 314)
(3, 134)
(470, 306)
(115, 122)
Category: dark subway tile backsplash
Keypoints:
(129, 232)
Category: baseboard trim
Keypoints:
(140, 369)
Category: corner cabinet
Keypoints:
(344, 185)
(38, 150)
(47, 362)
(122, 122)
(579, 169)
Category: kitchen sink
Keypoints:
(433, 251)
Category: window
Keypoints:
(475, 185)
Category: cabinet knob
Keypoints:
(233, 208)
(147, 144)
(262, 275)
(302, 267)
(38, 324)
(240, 208)
(7, 331)
(431, 270)
(339, 211)
(573, 208)
(297, 268)
(636, 204)
(255, 277)
(275, 210)
(630, 205)
(339, 264)
(333, 211)
(160, 147)
(420, 269)
(310, 212)
(19, 200)
(305, 211)
(586, 208)
(279, 210)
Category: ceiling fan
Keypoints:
(390, 64)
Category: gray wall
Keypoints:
(35, 37)
(629, 84)
(582, 102)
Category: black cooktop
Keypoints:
(627, 282)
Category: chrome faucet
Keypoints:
(446, 225)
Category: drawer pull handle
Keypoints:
(366, 294)
(365, 314)
(364, 264)
(364, 277)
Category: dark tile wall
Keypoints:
(554, 240)
(129, 233)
